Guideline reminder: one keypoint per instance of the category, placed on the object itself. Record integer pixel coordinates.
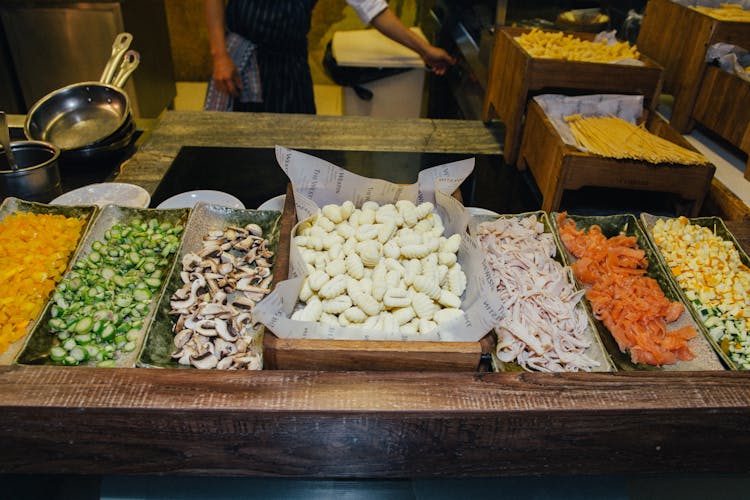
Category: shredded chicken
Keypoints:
(543, 329)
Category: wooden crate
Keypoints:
(723, 106)
(515, 76)
(678, 37)
(371, 355)
(557, 166)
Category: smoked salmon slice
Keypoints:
(631, 305)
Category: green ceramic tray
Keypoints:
(596, 350)
(718, 227)
(41, 340)
(158, 348)
(14, 205)
(612, 225)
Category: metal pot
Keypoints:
(83, 114)
(38, 175)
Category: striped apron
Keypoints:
(279, 29)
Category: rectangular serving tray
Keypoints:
(720, 229)
(376, 355)
(612, 225)
(158, 347)
(41, 340)
(596, 350)
(14, 205)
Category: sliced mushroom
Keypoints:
(209, 265)
(220, 297)
(190, 261)
(213, 235)
(182, 337)
(224, 348)
(183, 305)
(244, 302)
(181, 293)
(225, 364)
(223, 331)
(254, 229)
(204, 361)
(215, 309)
(246, 245)
(206, 328)
(266, 283)
(225, 268)
(241, 345)
(210, 249)
(213, 287)
(246, 285)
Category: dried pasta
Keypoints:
(726, 12)
(613, 137)
(557, 45)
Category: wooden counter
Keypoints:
(362, 424)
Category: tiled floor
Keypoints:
(190, 97)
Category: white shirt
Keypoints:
(368, 9)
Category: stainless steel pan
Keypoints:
(85, 113)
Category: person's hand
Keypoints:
(226, 76)
(437, 59)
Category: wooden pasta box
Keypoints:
(371, 355)
(557, 166)
(723, 106)
(678, 37)
(515, 76)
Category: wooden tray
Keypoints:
(557, 166)
(306, 354)
(515, 76)
(723, 106)
(677, 37)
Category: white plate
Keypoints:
(105, 193)
(480, 211)
(275, 203)
(190, 198)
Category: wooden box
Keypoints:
(371, 355)
(557, 166)
(678, 37)
(515, 76)
(723, 106)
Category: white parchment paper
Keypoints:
(730, 58)
(317, 182)
(557, 107)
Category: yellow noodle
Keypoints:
(556, 45)
(613, 137)
(727, 12)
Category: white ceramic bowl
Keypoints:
(275, 203)
(190, 198)
(106, 193)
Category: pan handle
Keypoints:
(130, 61)
(120, 45)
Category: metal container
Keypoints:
(38, 175)
(78, 115)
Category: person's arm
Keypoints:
(391, 26)
(225, 72)
(377, 13)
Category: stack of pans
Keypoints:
(89, 121)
